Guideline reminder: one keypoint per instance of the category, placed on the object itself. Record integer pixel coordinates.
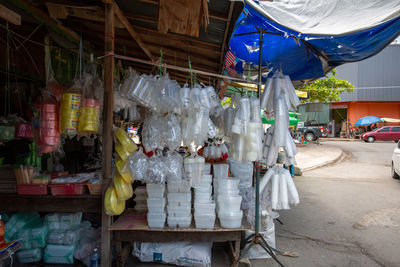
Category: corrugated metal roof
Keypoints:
(374, 79)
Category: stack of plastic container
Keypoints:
(194, 166)
(140, 198)
(204, 205)
(156, 205)
(220, 171)
(179, 204)
(229, 202)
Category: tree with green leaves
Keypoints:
(327, 89)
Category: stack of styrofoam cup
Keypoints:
(179, 204)
(156, 205)
(204, 205)
(229, 202)
(140, 198)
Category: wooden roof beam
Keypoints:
(10, 15)
(128, 26)
(226, 35)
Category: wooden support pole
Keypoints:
(228, 22)
(107, 130)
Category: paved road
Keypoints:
(349, 214)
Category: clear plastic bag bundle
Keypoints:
(253, 146)
(195, 96)
(255, 110)
(217, 117)
(242, 117)
(92, 97)
(171, 131)
(174, 165)
(157, 170)
(184, 95)
(151, 135)
(229, 117)
(212, 131)
(138, 165)
(281, 122)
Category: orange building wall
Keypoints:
(358, 110)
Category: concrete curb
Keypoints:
(340, 157)
(339, 139)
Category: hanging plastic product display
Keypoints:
(70, 109)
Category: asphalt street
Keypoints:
(349, 213)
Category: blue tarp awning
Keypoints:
(301, 56)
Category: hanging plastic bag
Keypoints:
(92, 97)
(124, 190)
(49, 133)
(138, 165)
(171, 131)
(112, 205)
(70, 107)
(174, 164)
(151, 135)
(157, 170)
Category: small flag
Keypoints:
(229, 59)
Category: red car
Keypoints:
(387, 133)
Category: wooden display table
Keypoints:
(132, 226)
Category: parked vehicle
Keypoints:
(396, 162)
(311, 133)
(387, 133)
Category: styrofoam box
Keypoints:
(179, 221)
(156, 220)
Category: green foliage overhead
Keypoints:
(326, 89)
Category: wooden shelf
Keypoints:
(49, 203)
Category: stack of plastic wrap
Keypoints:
(70, 109)
(242, 171)
(92, 97)
(65, 232)
(284, 191)
(49, 127)
(121, 189)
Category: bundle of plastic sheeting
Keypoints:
(89, 240)
(271, 150)
(276, 86)
(284, 191)
(178, 253)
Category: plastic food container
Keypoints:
(204, 207)
(156, 202)
(65, 189)
(178, 187)
(204, 221)
(155, 190)
(181, 210)
(179, 221)
(156, 220)
(228, 183)
(179, 197)
(221, 191)
(229, 203)
(32, 189)
(202, 198)
(220, 170)
(206, 179)
(231, 219)
(203, 189)
(207, 168)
